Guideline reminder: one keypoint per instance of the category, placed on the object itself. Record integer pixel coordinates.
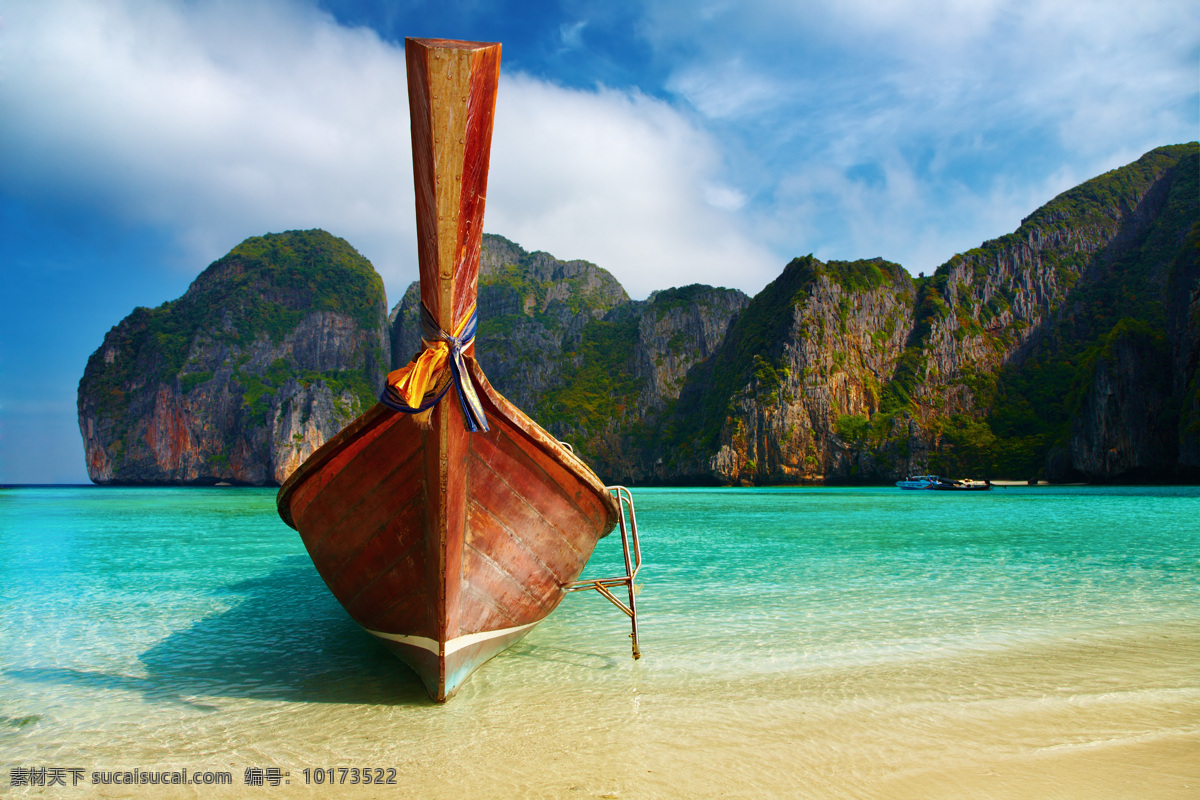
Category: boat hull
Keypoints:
(935, 483)
(915, 483)
(964, 486)
(447, 546)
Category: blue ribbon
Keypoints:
(468, 400)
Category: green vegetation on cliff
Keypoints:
(548, 340)
(307, 271)
(598, 383)
(1032, 353)
(1115, 293)
(753, 350)
(264, 287)
(197, 388)
(1007, 347)
(518, 281)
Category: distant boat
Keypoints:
(963, 485)
(918, 482)
(935, 483)
(446, 521)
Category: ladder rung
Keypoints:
(633, 562)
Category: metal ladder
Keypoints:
(633, 562)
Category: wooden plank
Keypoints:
(374, 510)
(404, 577)
(450, 505)
(452, 96)
(481, 104)
(312, 476)
(540, 535)
(487, 610)
(408, 616)
(512, 597)
(560, 466)
(356, 478)
(544, 498)
(387, 545)
(507, 548)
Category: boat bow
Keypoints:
(444, 519)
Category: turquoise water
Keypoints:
(150, 626)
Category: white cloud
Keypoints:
(730, 89)
(619, 179)
(217, 120)
(961, 107)
(222, 120)
(896, 214)
(572, 35)
(724, 197)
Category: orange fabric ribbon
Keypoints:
(414, 380)
(418, 377)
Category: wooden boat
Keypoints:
(450, 525)
(962, 485)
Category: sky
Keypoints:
(668, 141)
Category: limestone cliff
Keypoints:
(625, 379)
(1183, 334)
(1123, 426)
(806, 364)
(563, 341)
(1031, 312)
(1067, 349)
(1047, 350)
(270, 352)
(532, 309)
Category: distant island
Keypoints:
(1066, 350)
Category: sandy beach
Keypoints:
(1014, 723)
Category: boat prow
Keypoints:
(448, 546)
(445, 520)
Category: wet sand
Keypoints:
(1112, 713)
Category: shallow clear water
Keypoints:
(864, 642)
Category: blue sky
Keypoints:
(669, 142)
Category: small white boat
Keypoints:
(965, 485)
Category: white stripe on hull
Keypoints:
(451, 646)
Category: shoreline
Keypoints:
(1031, 720)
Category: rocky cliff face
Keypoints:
(1051, 342)
(1123, 426)
(649, 350)
(800, 415)
(1183, 327)
(532, 307)
(563, 341)
(271, 351)
(1068, 349)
